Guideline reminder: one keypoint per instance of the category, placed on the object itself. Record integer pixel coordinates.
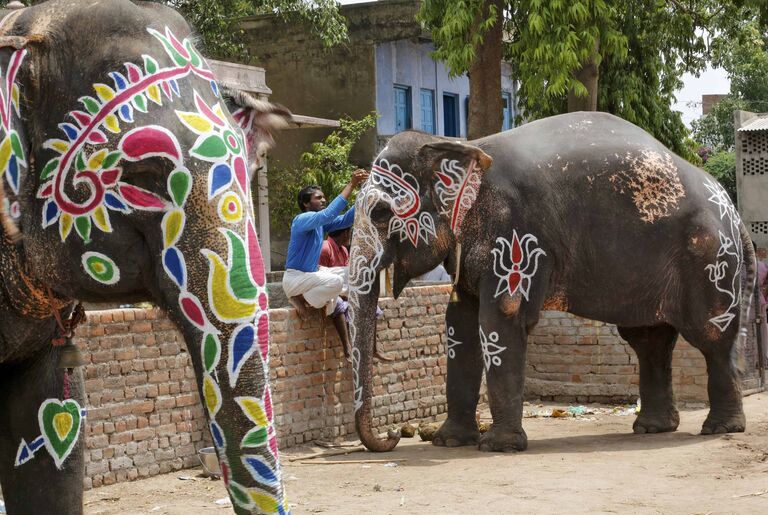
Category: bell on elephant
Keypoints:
(70, 356)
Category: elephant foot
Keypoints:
(715, 425)
(498, 439)
(452, 434)
(656, 422)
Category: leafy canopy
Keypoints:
(326, 165)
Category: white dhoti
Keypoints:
(320, 289)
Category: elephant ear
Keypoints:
(259, 120)
(458, 172)
(14, 147)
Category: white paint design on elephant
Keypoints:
(515, 263)
(457, 190)
(490, 349)
(730, 245)
(408, 222)
(364, 258)
(451, 342)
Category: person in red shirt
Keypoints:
(335, 250)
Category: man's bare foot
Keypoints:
(340, 323)
(302, 308)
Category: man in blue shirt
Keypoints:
(305, 283)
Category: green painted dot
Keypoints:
(101, 268)
(230, 139)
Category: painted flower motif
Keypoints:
(515, 263)
(490, 349)
(451, 343)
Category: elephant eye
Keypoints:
(150, 174)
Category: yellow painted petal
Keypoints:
(15, 97)
(195, 122)
(224, 305)
(173, 225)
(265, 502)
(5, 154)
(58, 145)
(94, 162)
(253, 410)
(65, 225)
(153, 92)
(111, 123)
(211, 395)
(101, 219)
(218, 111)
(104, 92)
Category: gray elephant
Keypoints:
(584, 213)
(128, 179)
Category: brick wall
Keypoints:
(145, 416)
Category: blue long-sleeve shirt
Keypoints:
(307, 233)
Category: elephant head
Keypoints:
(409, 213)
(129, 179)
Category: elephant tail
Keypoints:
(747, 294)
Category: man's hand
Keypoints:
(359, 176)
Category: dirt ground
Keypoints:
(588, 463)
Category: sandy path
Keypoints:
(589, 464)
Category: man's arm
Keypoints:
(310, 220)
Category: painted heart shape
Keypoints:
(60, 424)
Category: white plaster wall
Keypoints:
(408, 63)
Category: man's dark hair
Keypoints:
(305, 195)
(337, 232)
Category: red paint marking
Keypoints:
(241, 173)
(514, 282)
(109, 177)
(140, 198)
(203, 107)
(96, 198)
(150, 140)
(516, 251)
(268, 403)
(193, 311)
(175, 42)
(413, 209)
(254, 255)
(263, 330)
(263, 302)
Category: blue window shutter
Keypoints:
(402, 108)
(428, 111)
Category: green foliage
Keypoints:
(744, 55)
(722, 166)
(641, 48)
(216, 21)
(326, 165)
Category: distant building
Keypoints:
(385, 67)
(710, 101)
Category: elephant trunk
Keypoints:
(215, 288)
(363, 328)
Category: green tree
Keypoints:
(621, 56)
(326, 165)
(722, 166)
(744, 55)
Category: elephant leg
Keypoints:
(38, 485)
(465, 372)
(654, 346)
(503, 343)
(726, 412)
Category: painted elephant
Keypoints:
(129, 179)
(584, 213)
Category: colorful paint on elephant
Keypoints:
(408, 222)
(12, 159)
(490, 349)
(235, 288)
(730, 245)
(60, 423)
(515, 263)
(457, 190)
